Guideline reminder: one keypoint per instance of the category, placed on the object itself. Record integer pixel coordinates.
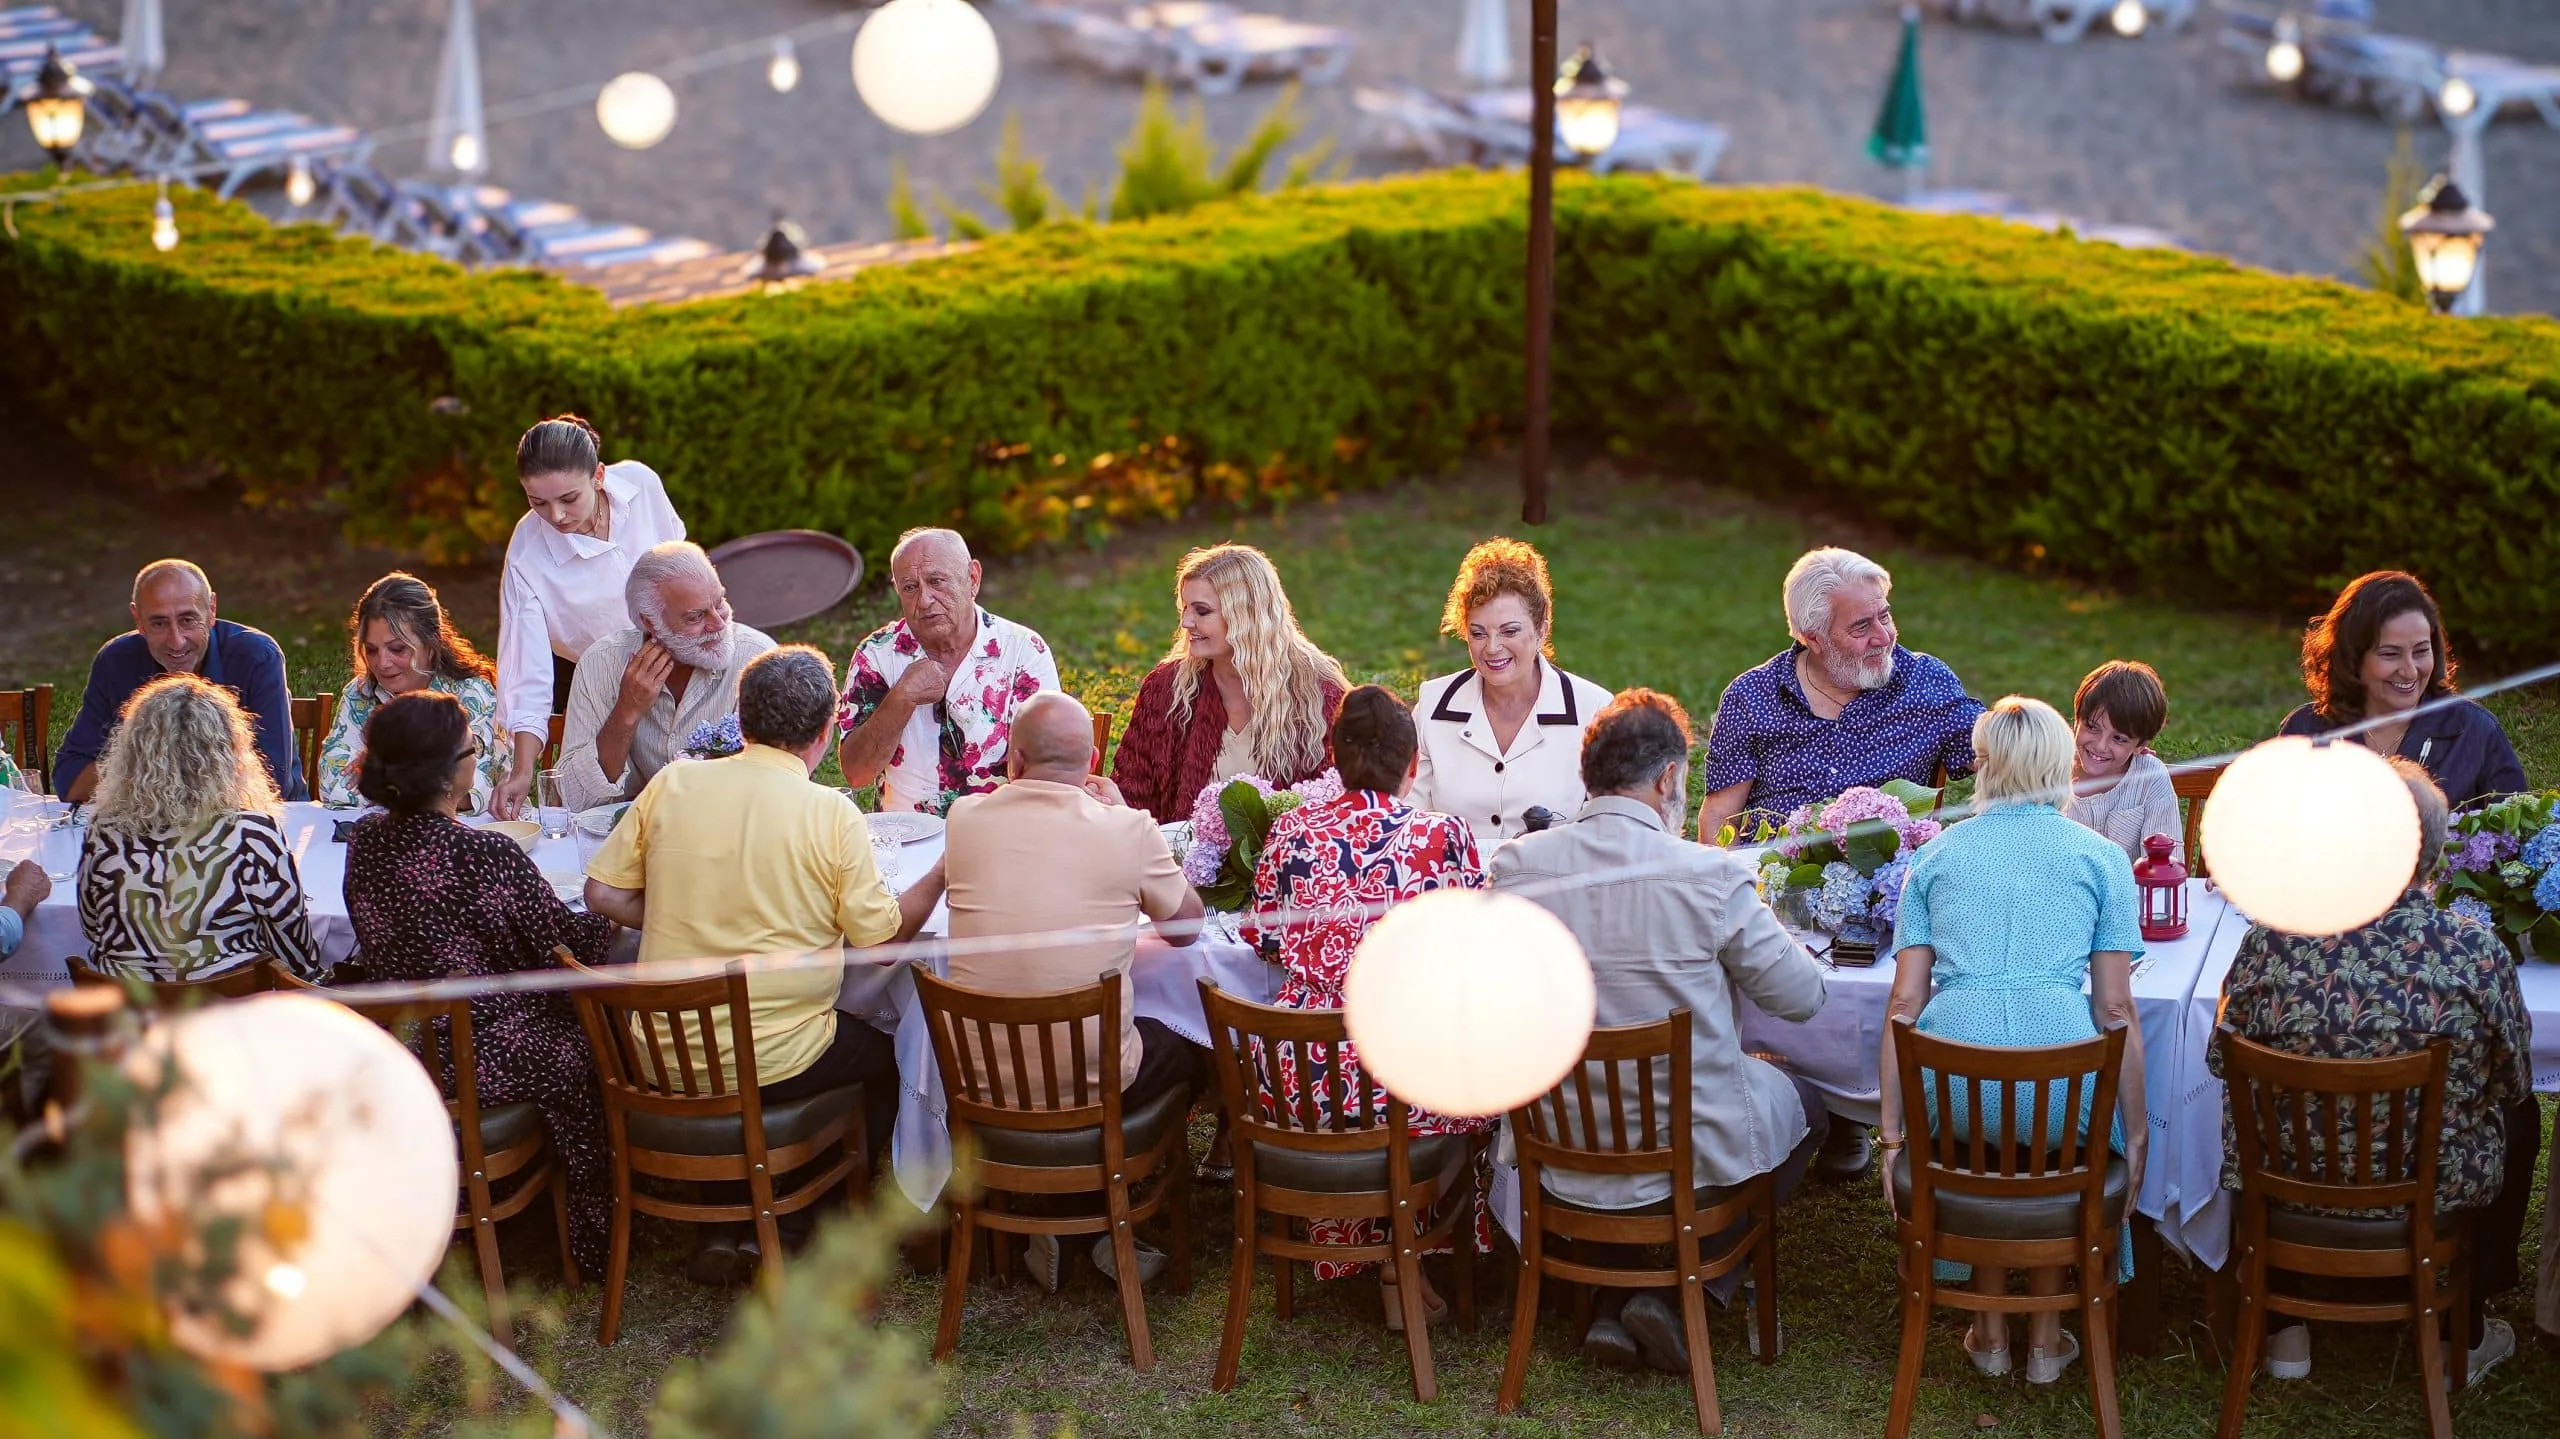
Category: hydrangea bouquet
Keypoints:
(1230, 822)
(715, 739)
(2502, 868)
(1840, 867)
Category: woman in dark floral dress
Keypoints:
(1353, 856)
(433, 898)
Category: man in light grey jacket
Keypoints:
(1668, 923)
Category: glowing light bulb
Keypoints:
(2130, 18)
(2457, 98)
(164, 225)
(783, 71)
(297, 183)
(466, 153)
(286, 1281)
(636, 109)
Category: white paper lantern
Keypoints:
(926, 66)
(2309, 838)
(348, 1201)
(636, 109)
(1468, 1003)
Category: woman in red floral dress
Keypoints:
(1354, 856)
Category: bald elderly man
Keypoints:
(929, 698)
(1057, 852)
(175, 632)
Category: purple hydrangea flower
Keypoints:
(2478, 852)
(1200, 864)
(2472, 907)
(1324, 787)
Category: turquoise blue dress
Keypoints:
(2014, 901)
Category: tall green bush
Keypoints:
(2150, 419)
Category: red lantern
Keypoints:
(2161, 882)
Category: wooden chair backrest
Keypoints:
(1101, 740)
(659, 1043)
(2023, 1160)
(437, 1031)
(551, 746)
(312, 719)
(1607, 1116)
(27, 717)
(2337, 1133)
(170, 996)
(2192, 787)
(1328, 1111)
(1055, 1046)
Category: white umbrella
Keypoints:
(146, 48)
(1484, 45)
(457, 135)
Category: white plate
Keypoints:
(906, 826)
(568, 884)
(601, 820)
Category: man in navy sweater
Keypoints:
(175, 632)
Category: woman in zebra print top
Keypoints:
(185, 874)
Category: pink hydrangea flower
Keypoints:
(1208, 823)
(1321, 789)
(1918, 832)
(1861, 804)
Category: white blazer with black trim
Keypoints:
(1462, 773)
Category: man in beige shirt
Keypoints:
(640, 693)
(1668, 923)
(1055, 852)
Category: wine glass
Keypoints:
(22, 829)
(550, 806)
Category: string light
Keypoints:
(636, 109)
(2129, 18)
(927, 67)
(783, 71)
(297, 183)
(164, 222)
(466, 153)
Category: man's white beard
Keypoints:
(1858, 673)
(703, 654)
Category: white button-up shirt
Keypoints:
(1463, 772)
(562, 593)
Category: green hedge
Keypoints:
(2156, 420)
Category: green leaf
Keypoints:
(1917, 798)
(1805, 876)
(1247, 813)
(1869, 850)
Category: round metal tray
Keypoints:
(781, 577)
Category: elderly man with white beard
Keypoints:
(1845, 705)
(642, 692)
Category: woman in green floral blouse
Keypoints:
(401, 642)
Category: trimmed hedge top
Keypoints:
(2142, 417)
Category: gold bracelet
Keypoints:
(1889, 1145)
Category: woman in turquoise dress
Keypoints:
(2008, 914)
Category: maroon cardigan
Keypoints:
(1164, 762)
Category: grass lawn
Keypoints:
(1673, 585)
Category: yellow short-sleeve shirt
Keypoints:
(744, 858)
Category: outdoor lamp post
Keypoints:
(2445, 232)
(1587, 101)
(59, 107)
(2458, 104)
(785, 258)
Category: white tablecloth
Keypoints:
(1166, 981)
(309, 831)
(1837, 1050)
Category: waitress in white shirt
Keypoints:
(1504, 735)
(587, 522)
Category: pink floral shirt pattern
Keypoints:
(968, 732)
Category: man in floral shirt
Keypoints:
(929, 699)
(2414, 974)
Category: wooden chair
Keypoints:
(312, 719)
(1101, 740)
(2193, 786)
(1694, 1223)
(2041, 1200)
(2288, 1114)
(27, 716)
(1047, 1128)
(670, 1114)
(498, 1142)
(551, 747)
(1325, 1152)
(175, 996)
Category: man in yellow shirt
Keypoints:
(744, 858)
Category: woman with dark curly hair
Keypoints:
(2377, 654)
(433, 898)
(1504, 735)
(402, 642)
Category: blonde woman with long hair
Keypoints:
(186, 873)
(1242, 691)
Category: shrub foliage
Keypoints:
(2157, 420)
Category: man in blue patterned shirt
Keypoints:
(1845, 705)
(2414, 974)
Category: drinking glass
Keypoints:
(551, 807)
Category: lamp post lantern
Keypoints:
(1587, 102)
(2445, 233)
(59, 106)
(784, 259)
